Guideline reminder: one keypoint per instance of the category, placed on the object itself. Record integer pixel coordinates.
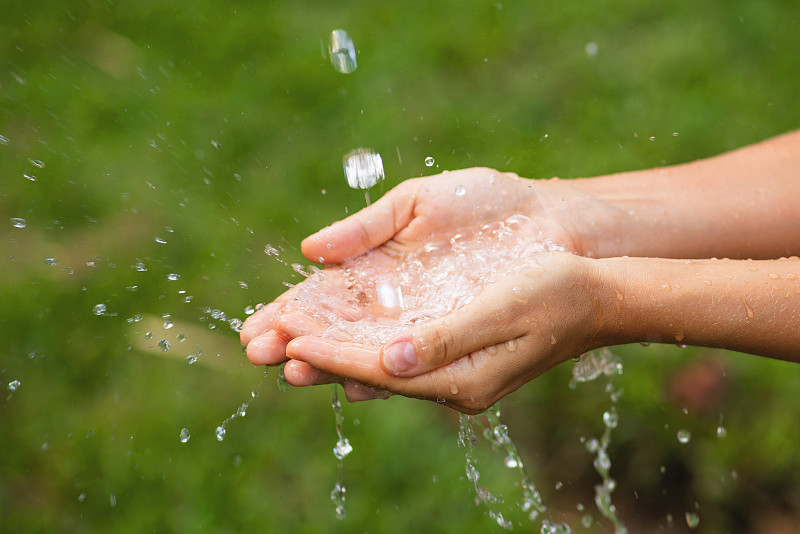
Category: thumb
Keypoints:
(364, 230)
(490, 319)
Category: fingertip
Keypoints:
(300, 374)
(267, 349)
(399, 358)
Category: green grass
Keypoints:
(217, 126)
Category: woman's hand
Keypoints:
(542, 312)
(413, 214)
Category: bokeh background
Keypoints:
(151, 150)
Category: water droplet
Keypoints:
(173, 277)
(215, 144)
(511, 462)
(191, 358)
(429, 161)
(185, 435)
(37, 163)
(592, 445)
(99, 309)
(491, 350)
(774, 276)
(721, 432)
(460, 191)
(50, 262)
(18, 222)
(168, 324)
(610, 419)
(679, 336)
(511, 345)
(283, 385)
(791, 276)
(269, 250)
(81, 497)
(140, 266)
(553, 340)
(164, 344)
(29, 177)
(14, 385)
(587, 521)
(220, 432)
(591, 49)
(160, 240)
(242, 284)
(112, 500)
(3, 140)
(363, 168)
(748, 310)
(684, 436)
(692, 519)
(342, 448)
(342, 52)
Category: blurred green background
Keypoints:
(151, 150)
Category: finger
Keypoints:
(267, 349)
(365, 230)
(301, 374)
(492, 318)
(295, 324)
(357, 392)
(261, 321)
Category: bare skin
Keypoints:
(744, 204)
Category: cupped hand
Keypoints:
(413, 214)
(543, 311)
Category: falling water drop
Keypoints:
(460, 191)
(342, 52)
(611, 419)
(14, 385)
(3, 140)
(220, 433)
(37, 163)
(429, 161)
(684, 436)
(363, 168)
(721, 432)
(185, 435)
(692, 519)
(99, 309)
(18, 222)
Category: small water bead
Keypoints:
(460, 191)
(50, 262)
(220, 433)
(185, 435)
(18, 222)
(511, 345)
(342, 448)
(363, 168)
(172, 277)
(29, 177)
(160, 240)
(191, 358)
(511, 462)
(140, 266)
(692, 519)
(181, 337)
(37, 163)
(684, 436)
(610, 419)
(338, 496)
(164, 345)
(722, 432)
(243, 284)
(283, 385)
(429, 161)
(342, 52)
(99, 309)
(3, 140)
(14, 385)
(269, 250)
(249, 310)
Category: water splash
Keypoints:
(342, 449)
(241, 411)
(589, 367)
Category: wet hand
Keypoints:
(541, 313)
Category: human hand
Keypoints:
(541, 312)
(414, 214)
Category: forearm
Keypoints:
(743, 204)
(747, 306)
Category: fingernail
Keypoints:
(399, 357)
